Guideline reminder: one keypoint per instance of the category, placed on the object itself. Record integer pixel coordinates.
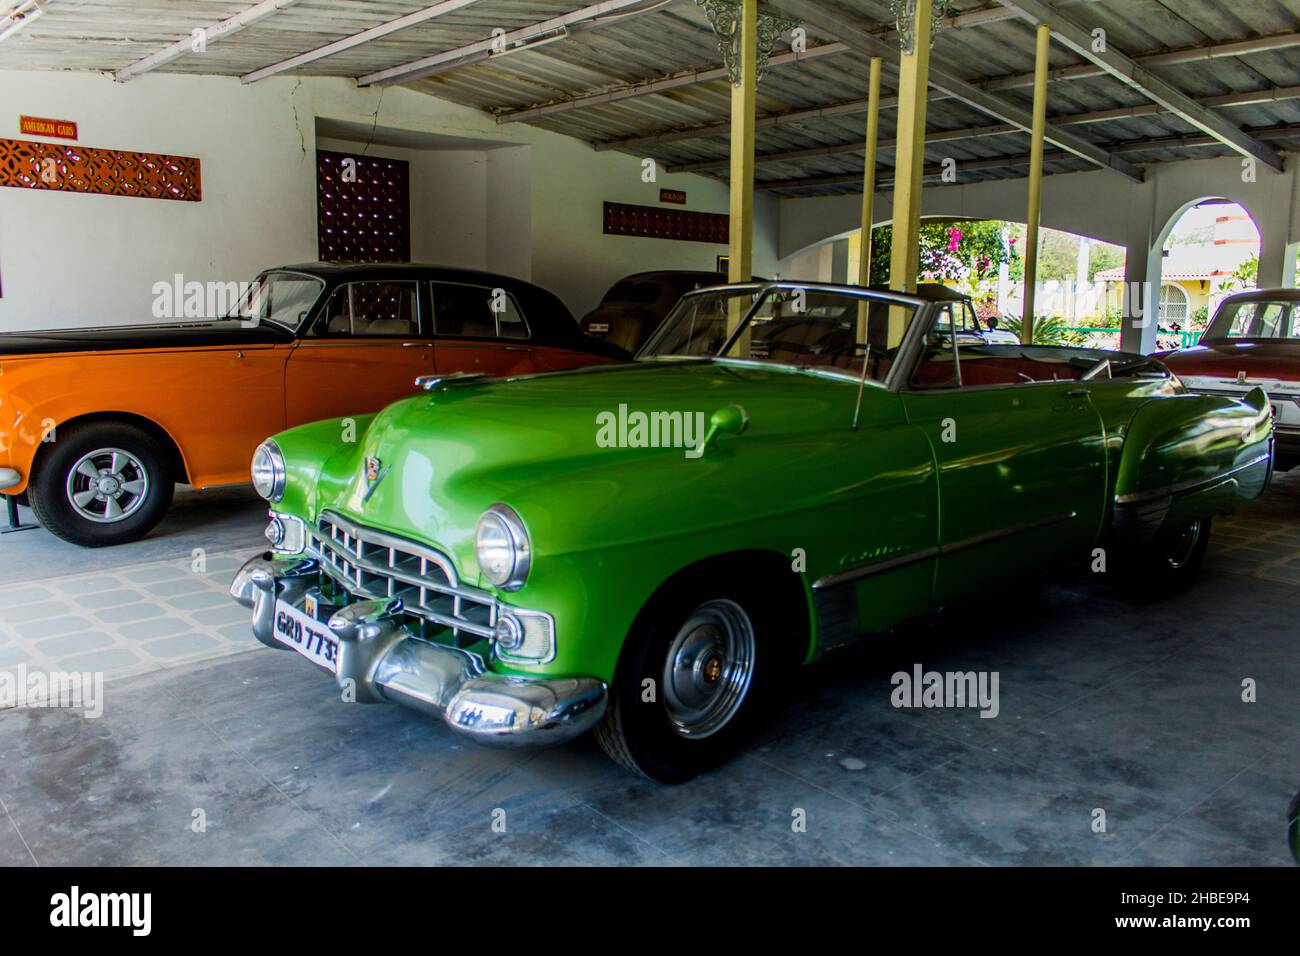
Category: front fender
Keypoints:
(318, 458)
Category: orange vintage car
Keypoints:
(98, 425)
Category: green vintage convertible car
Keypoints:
(648, 550)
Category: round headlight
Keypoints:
(501, 547)
(268, 471)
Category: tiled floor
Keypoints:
(1131, 713)
(126, 621)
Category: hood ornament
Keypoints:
(376, 471)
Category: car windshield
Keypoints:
(281, 298)
(1258, 319)
(957, 315)
(803, 327)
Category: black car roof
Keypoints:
(673, 273)
(1263, 295)
(549, 319)
(362, 270)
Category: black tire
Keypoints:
(1169, 564)
(139, 513)
(643, 734)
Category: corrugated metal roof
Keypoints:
(675, 39)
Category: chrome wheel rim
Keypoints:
(107, 485)
(1180, 551)
(709, 668)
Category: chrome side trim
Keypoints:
(1167, 490)
(988, 536)
(363, 341)
(880, 567)
(928, 554)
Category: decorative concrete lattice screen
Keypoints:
(363, 208)
(26, 164)
(623, 219)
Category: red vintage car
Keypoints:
(1254, 339)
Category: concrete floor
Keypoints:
(1134, 710)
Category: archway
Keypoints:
(1209, 249)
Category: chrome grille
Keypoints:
(374, 564)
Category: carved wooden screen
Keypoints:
(28, 164)
(655, 222)
(363, 208)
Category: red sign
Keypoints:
(40, 126)
(676, 196)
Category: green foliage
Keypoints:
(1104, 258)
(950, 252)
(1058, 256)
(1048, 330)
(1246, 276)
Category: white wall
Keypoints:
(1098, 204)
(569, 191)
(470, 208)
(531, 208)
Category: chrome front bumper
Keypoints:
(9, 477)
(380, 660)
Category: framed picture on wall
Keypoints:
(723, 264)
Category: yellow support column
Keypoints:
(744, 100)
(1035, 182)
(869, 171)
(909, 163)
(855, 258)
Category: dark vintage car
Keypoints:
(636, 304)
(1253, 340)
(98, 425)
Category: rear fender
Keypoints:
(1190, 456)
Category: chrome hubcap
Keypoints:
(107, 485)
(1184, 544)
(709, 668)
